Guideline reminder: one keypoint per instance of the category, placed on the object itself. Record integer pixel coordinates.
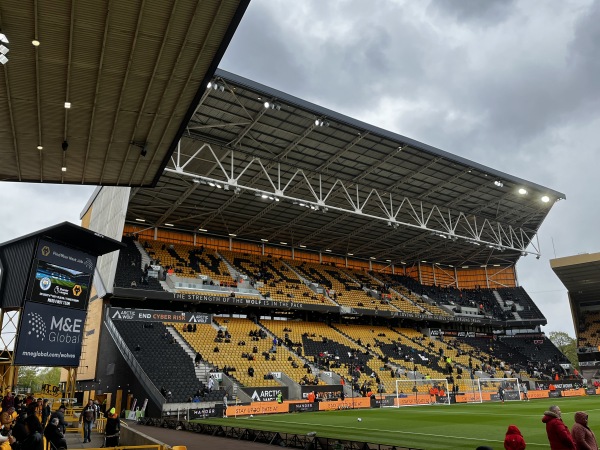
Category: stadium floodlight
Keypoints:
(302, 246)
(3, 38)
(232, 234)
(169, 225)
(264, 240)
(67, 105)
(522, 191)
(204, 230)
(499, 183)
(39, 147)
(63, 168)
(328, 250)
(283, 243)
(4, 49)
(35, 43)
(545, 199)
(3, 59)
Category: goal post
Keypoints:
(422, 392)
(492, 388)
(468, 390)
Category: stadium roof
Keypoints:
(581, 276)
(129, 71)
(259, 164)
(74, 236)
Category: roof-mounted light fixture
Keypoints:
(272, 105)
(545, 199)
(499, 183)
(321, 123)
(522, 191)
(3, 48)
(216, 86)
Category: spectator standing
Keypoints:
(558, 433)
(87, 418)
(582, 435)
(113, 429)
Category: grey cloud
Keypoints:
(486, 12)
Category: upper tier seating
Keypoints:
(190, 261)
(524, 306)
(342, 289)
(484, 299)
(588, 332)
(406, 287)
(129, 273)
(274, 279)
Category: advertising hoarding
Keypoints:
(49, 336)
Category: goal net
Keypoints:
(422, 392)
(467, 390)
(494, 388)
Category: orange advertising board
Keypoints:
(538, 394)
(257, 408)
(573, 393)
(349, 403)
(468, 397)
(419, 399)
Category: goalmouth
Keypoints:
(422, 392)
(494, 388)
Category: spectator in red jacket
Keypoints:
(514, 439)
(582, 435)
(558, 433)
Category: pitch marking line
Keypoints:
(402, 432)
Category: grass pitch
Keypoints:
(457, 427)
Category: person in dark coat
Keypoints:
(558, 433)
(54, 435)
(60, 415)
(33, 439)
(112, 429)
(514, 439)
(582, 435)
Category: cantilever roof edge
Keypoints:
(319, 110)
(235, 21)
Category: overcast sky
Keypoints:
(514, 85)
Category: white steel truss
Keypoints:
(352, 198)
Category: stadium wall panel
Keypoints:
(16, 262)
(108, 212)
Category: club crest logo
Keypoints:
(45, 284)
(45, 250)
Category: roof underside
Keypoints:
(440, 191)
(130, 69)
(581, 276)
